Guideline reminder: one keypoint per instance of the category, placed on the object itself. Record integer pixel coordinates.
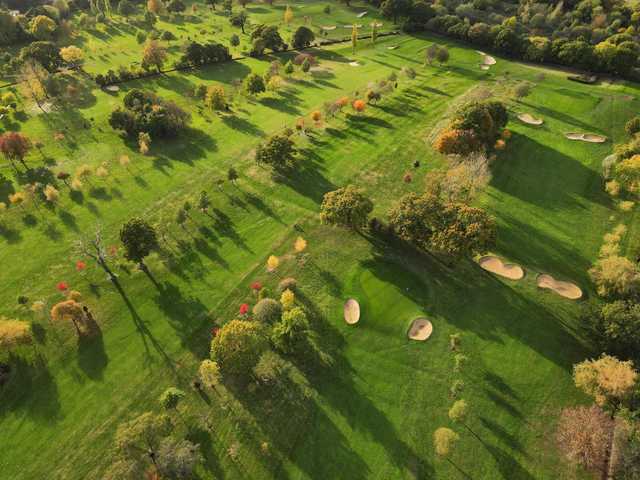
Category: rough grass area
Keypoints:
(371, 414)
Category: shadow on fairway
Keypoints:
(31, 389)
(92, 357)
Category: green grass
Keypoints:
(373, 413)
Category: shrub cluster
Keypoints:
(145, 112)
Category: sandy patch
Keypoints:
(392, 47)
(329, 27)
(489, 60)
(484, 67)
(362, 14)
(530, 119)
(495, 265)
(351, 311)
(112, 88)
(565, 289)
(420, 329)
(354, 64)
(586, 137)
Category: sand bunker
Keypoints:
(360, 15)
(530, 119)
(113, 88)
(487, 60)
(420, 329)
(329, 27)
(392, 47)
(354, 64)
(565, 289)
(351, 311)
(495, 265)
(586, 137)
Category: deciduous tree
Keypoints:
(583, 436)
(278, 152)
(237, 346)
(347, 206)
(608, 380)
(15, 146)
(154, 54)
(302, 38)
(68, 310)
(291, 331)
(139, 239)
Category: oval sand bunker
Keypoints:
(420, 329)
(351, 311)
(530, 119)
(495, 265)
(586, 137)
(564, 289)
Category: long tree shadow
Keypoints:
(145, 334)
(259, 204)
(290, 418)
(565, 177)
(503, 435)
(187, 315)
(508, 466)
(307, 179)
(225, 227)
(202, 438)
(92, 357)
(242, 125)
(31, 388)
(527, 245)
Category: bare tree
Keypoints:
(584, 436)
(93, 247)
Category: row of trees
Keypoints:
(593, 37)
(427, 221)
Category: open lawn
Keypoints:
(372, 412)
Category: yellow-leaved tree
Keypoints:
(608, 380)
(300, 245)
(287, 299)
(272, 263)
(288, 15)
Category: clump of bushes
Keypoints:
(476, 126)
(145, 112)
(203, 54)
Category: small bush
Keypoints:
(267, 311)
